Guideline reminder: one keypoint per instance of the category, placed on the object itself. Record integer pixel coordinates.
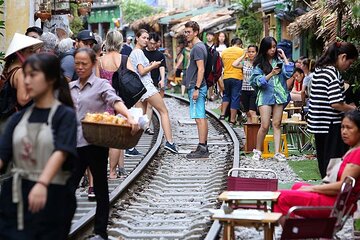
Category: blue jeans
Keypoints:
(232, 92)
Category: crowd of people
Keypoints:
(52, 84)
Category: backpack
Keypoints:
(213, 66)
(8, 99)
(127, 84)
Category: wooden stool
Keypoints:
(283, 146)
(251, 130)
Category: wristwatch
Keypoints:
(196, 87)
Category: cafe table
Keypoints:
(245, 197)
(246, 218)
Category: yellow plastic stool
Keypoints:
(283, 146)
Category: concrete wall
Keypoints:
(17, 19)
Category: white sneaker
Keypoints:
(256, 155)
(280, 157)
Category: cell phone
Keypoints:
(279, 65)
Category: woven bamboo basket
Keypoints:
(110, 135)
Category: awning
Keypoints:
(178, 18)
(206, 21)
(152, 21)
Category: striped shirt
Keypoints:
(247, 71)
(327, 87)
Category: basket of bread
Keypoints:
(104, 129)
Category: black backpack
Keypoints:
(213, 66)
(127, 84)
(8, 99)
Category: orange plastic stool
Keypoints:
(283, 146)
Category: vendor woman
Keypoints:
(93, 95)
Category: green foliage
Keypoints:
(250, 27)
(136, 9)
(77, 24)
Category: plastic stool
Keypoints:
(283, 146)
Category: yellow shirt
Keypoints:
(228, 56)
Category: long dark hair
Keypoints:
(331, 55)
(261, 58)
(49, 64)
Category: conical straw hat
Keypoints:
(21, 41)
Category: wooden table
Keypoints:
(249, 195)
(292, 108)
(247, 218)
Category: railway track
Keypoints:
(167, 196)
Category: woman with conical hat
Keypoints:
(20, 48)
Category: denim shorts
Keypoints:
(197, 107)
(232, 92)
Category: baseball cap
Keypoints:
(129, 37)
(86, 35)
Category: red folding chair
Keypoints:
(342, 207)
(320, 227)
(236, 183)
(253, 183)
(304, 228)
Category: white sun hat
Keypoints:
(20, 42)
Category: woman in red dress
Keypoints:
(325, 195)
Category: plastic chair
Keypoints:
(283, 147)
(304, 228)
(236, 183)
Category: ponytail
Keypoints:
(331, 54)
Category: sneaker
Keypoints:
(132, 152)
(171, 147)
(122, 172)
(97, 237)
(222, 117)
(149, 131)
(199, 153)
(91, 193)
(280, 157)
(257, 155)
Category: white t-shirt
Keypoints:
(220, 48)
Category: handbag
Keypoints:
(332, 170)
(127, 84)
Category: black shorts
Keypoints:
(248, 100)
